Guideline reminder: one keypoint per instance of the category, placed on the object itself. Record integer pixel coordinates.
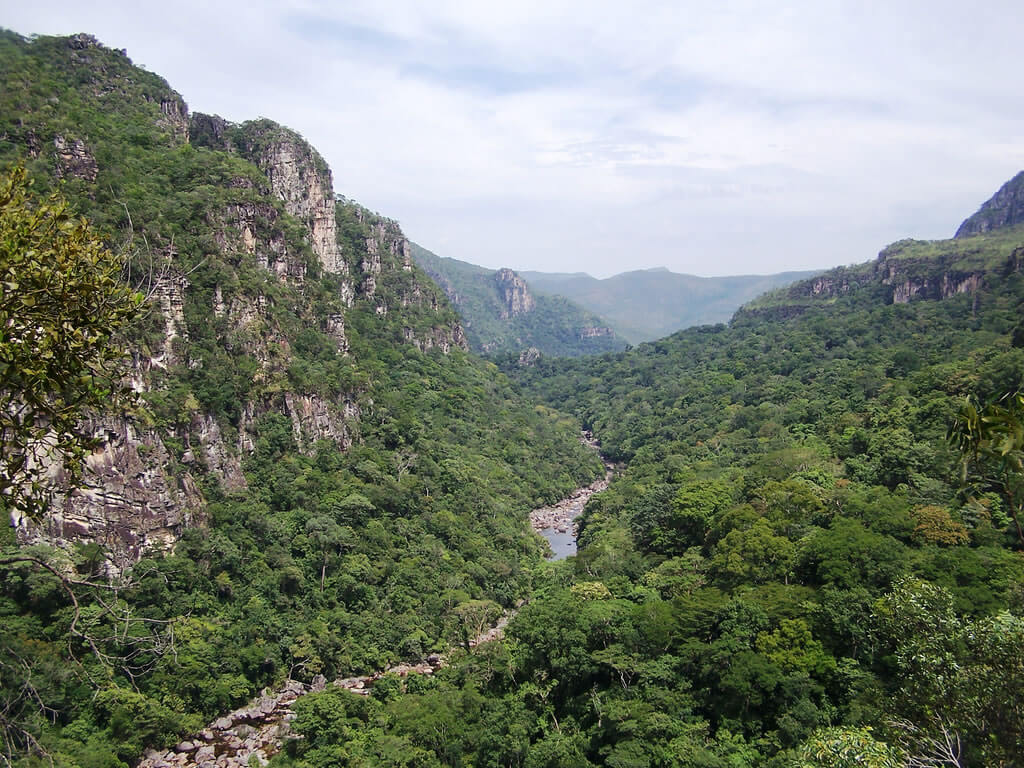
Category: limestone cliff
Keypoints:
(514, 292)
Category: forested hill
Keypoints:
(649, 304)
(795, 552)
(793, 568)
(501, 314)
(316, 479)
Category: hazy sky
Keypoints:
(709, 137)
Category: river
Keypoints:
(258, 730)
(557, 523)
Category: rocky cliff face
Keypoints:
(297, 176)
(237, 291)
(1004, 209)
(514, 292)
(905, 271)
(300, 178)
(135, 496)
(907, 286)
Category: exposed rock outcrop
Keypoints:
(314, 419)
(940, 288)
(933, 279)
(529, 357)
(445, 338)
(74, 160)
(514, 292)
(222, 460)
(301, 179)
(385, 238)
(170, 293)
(897, 275)
(255, 228)
(174, 117)
(129, 502)
(594, 332)
(1004, 209)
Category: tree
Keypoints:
(961, 680)
(62, 301)
(839, 747)
(991, 442)
(474, 617)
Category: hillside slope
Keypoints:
(318, 477)
(792, 515)
(649, 304)
(1004, 209)
(502, 315)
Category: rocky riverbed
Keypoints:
(258, 730)
(557, 522)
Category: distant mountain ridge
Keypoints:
(500, 313)
(649, 304)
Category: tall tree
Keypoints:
(62, 300)
(991, 441)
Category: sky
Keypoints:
(712, 138)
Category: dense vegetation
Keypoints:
(555, 326)
(795, 566)
(324, 560)
(790, 570)
(649, 304)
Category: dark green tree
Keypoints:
(991, 442)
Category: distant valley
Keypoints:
(501, 314)
(566, 315)
(649, 304)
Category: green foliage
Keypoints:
(991, 440)
(62, 303)
(786, 476)
(846, 747)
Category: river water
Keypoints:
(557, 523)
(257, 730)
(562, 545)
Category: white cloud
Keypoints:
(709, 137)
